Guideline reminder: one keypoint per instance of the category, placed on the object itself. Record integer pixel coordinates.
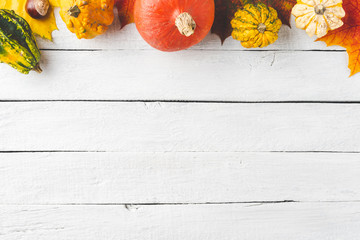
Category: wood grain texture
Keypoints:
(83, 178)
(125, 68)
(203, 160)
(129, 38)
(309, 221)
(168, 127)
(187, 75)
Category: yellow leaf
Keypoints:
(42, 27)
(55, 3)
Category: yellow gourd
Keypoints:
(87, 18)
(318, 16)
(256, 26)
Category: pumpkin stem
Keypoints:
(320, 9)
(74, 11)
(186, 24)
(37, 68)
(261, 28)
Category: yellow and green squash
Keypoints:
(256, 25)
(18, 46)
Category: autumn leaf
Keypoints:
(42, 27)
(225, 10)
(126, 11)
(348, 36)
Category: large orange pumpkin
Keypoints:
(173, 25)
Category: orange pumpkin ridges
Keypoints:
(174, 25)
(87, 18)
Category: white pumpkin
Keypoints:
(317, 17)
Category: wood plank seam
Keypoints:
(100, 151)
(180, 101)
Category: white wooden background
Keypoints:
(116, 140)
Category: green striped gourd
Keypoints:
(18, 46)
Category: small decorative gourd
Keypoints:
(87, 18)
(256, 26)
(173, 25)
(318, 16)
(18, 47)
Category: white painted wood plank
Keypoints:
(129, 38)
(61, 178)
(149, 127)
(299, 221)
(188, 75)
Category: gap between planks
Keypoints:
(182, 101)
(169, 203)
(227, 222)
(89, 151)
(129, 205)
